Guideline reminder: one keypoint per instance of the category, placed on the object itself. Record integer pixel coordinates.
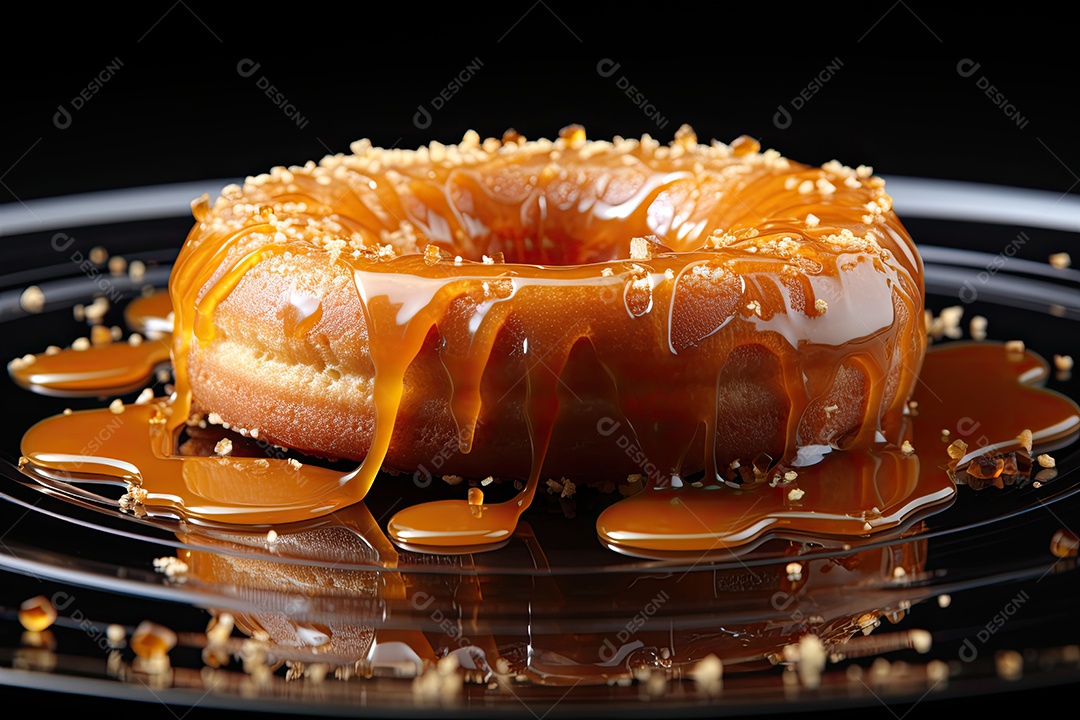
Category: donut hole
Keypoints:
(538, 214)
(554, 246)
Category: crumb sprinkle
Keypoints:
(639, 249)
(32, 299)
(957, 449)
(977, 327)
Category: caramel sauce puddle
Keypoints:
(113, 369)
(978, 392)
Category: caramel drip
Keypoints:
(404, 301)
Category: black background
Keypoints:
(178, 109)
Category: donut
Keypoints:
(566, 308)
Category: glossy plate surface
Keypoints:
(971, 599)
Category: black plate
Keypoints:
(1011, 598)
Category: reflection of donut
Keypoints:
(626, 301)
(313, 609)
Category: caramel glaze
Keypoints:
(305, 309)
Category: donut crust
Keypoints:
(696, 307)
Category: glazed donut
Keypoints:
(587, 309)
